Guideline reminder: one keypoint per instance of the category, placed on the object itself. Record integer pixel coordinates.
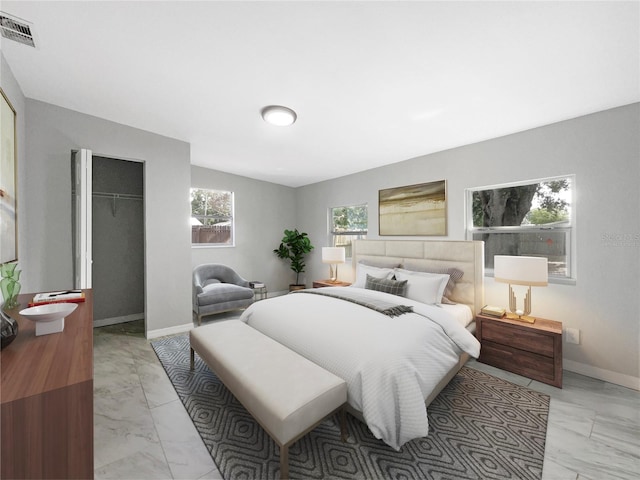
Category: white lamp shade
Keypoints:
(333, 255)
(521, 270)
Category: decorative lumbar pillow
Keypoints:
(423, 287)
(455, 275)
(386, 285)
(363, 270)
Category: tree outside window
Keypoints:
(532, 219)
(346, 224)
(211, 217)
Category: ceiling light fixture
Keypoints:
(279, 115)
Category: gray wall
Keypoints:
(52, 133)
(262, 211)
(602, 150)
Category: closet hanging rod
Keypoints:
(123, 196)
(116, 196)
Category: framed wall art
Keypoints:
(414, 210)
(8, 211)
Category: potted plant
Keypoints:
(9, 284)
(294, 247)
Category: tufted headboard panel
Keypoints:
(468, 256)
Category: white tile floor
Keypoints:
(141, 429)
(143, 432)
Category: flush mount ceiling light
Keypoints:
(279, 115)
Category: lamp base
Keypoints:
(333, 273)
(521, 318)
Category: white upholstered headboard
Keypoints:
(468, 256)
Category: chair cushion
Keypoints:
(223, 292)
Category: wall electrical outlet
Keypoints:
(572, 335)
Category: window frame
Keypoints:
(332, 234)
(231, 218)
(566, 228)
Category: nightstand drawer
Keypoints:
(531, 365)
(530, 349)
(522, 339)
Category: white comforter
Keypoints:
(390, 364)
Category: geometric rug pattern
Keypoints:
(480, 427)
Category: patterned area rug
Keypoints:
(481, 427)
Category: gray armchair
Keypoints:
(218, 288)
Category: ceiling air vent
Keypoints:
(16, 29)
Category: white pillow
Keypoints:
(363, 270)
(423, 287)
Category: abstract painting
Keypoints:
(8, 214)
(414, 210)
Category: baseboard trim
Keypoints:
(601, 374)
(277, 294)
(163, 332)
(103, 322)
(581, 368)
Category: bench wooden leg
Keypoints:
(284, 462)
(193, 359)
(343, 425)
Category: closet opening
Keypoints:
(115, 251)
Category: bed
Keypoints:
(393, 364)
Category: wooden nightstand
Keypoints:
(533, 350)
(329, 283)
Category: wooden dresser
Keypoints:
(47, 398)
(533, 350)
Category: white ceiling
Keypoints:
(372, 82)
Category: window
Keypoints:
(347, 224)
(533, 219)
(211, 217)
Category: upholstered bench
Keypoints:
(286, 393)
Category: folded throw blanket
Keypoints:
(351, 295)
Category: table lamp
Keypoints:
(333, 256)
(528, 271)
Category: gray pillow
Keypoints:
(455, 274)
(394, 287)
